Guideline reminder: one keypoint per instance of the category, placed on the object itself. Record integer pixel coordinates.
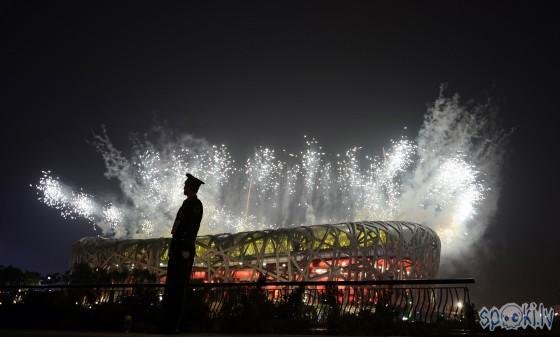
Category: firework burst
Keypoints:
(441, 179)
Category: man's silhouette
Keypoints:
(181, 255)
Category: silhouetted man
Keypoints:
(181, 255)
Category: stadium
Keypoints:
(371, 250)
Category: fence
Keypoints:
(318, 303)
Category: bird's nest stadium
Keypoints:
(370, 250)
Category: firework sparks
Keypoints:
(113, 216)
(436, 180)
(51, 191)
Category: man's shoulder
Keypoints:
(194, 203)
(197, 205)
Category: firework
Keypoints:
(441, 179)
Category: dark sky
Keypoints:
(253, 73)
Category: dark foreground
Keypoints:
(398, 307)
(360, 308)
(58, 333)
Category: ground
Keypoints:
(54, 333)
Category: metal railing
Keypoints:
(426, 301)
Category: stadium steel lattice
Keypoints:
(372, 250)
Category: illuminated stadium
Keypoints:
(372, 250)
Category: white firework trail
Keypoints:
(446, 178)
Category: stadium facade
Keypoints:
(370, 250)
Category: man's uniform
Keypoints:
(181, 258)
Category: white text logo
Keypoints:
(512, 316)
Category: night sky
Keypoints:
(248, 73)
